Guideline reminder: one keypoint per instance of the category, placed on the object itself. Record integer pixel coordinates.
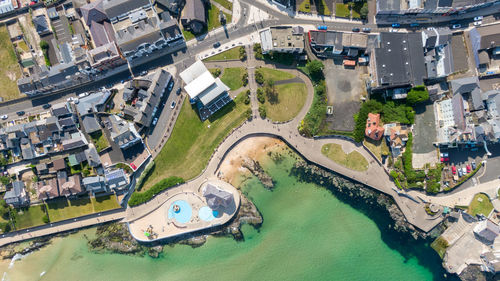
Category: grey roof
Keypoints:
(490, 36)
(92, 157)
(116, 178)
(477, 100)
(464, 85)
(487, 230)
(93, 102)
(194, 10)
(93, 12)
(72, 143)
(400, 59)
(16, 195)
(326, 38)
(144, 32)
(217, 197)
(94, 184)
(67, 122)
(90, 124)
(458, 111)
(41, 24)
(116, 8)
(102, 33)
(60, 109)
(388, 5)
(52, 13)
(172, 5)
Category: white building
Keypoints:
(6, 6)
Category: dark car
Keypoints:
(216, 44)
(20, 113)
(46, 106)
(179, 91)
(355, 29)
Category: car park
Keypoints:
(355, 29)
(478, 18)
(172, 105)
(4, 116)
(46, 106)
(456, 26)
(20, 113)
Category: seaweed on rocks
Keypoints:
(256, 169)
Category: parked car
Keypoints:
(144, 72)
(46, 106)
(170, 86)
(473, 165)
(445, 159)
(172, 105)
(453, 170)
(155, 121)
(367, 29)
(20, 113)
(478, 18)
(396, 25)
(133, 166)
(444, 154)
(74, 100)
(468, 169)
(179, 91)
(84, 94)
(355, 29)
(464, 171)
(460, 174)
(216, 44)
(456, 26)
(322, 27)
(4, 116)
(478, 23)
(414, 24)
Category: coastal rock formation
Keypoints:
(256, 169)
(9, 251)
(474, 273)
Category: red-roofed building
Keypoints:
(373, 129)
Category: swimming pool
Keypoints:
(207, 214)
(184, 213)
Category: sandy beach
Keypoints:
(254, 148)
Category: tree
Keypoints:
(262, 112)
(260, 96)
(315, 68)
(364, 11)
(44, 45)
(271, 94)
(3, 161)
(259, 78)
(417, 94)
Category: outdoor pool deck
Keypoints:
(193, 213)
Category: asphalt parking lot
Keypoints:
(424, 130)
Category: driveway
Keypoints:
(344, 87)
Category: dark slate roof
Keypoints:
(400, 59)
(146, 31)
(92, 157)
(93, 12)
(116, 178)
(94, 184)
(490, 36)
(102, 33)
(90, 124)
(67, 122)
(217, 197)
(115, 8)
(172, 5)
(326, 38)
(60, 109)
(194, 10)
(41, 24)
(13, 196)
(464, 85)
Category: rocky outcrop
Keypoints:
(256, 169)
(474, 273)
(9, 251)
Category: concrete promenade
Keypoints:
(375, 177)
(62, 226)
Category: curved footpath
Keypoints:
(310, 149)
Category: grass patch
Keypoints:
(354, 160)
(142, 197)
(305, 6)
(29, 217)
(104, 203)
(188, 35)
(275, 75)
(342, 10)
(22, 45)
(291, 99)
(480, 204)
(63, 209)
(226, 4)
(375, 147)
(9, 72)
(231, 54)
(99, 140)
(233, 77)
(323, 8)
(440, 245)
(192, 142)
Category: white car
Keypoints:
(4, 116)
(172, 105)
(84, 94)
(456, 26)
(74, 100)
(478, 23)
(478, 18)
(155, 121)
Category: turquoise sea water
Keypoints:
(307, 234)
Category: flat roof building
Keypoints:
(282, 39)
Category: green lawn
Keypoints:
(212, 22)
(226, 4)
(10, 71)
(192, 142)
(62, 209)
(323, 9)
(22, 45)
(354, 160)
(29, 217)
(231, 54)
(100, 141)
(480, 204)
(342, 10)
(233, 77)
(305, 6)
(291, 99)
(274, 74)
(104, 203)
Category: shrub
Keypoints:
(245, 79)
(139, 198)
(262, 112)
(417, 94)
(45, 219)
(5, 226)
(315, 69)
(363, 12)
(259, 78)
(248, 114)
(243, 53)
(257, 49)
(44, 45)
(260, 95)
(247, 97)
(215, 72)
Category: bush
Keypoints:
(5, 226)
(314, 118)
(44, 45)
(248, 114)
(215, 72)
(363, 12)
(245, 79)
(259, 78)
(407, 157)
(4, 180)
(257, 49)
(247, 97)
(261, 96)
(45, 219)
(417, 94)
(139, 198)
(315, 69)
(262, 112)
(243, 53)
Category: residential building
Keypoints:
(7, 6)
(207, 93)
(41, 25)
(485, 43)
(92, 156)
(398, 62)
(397, 136)
(373, 129)
(95, 185)
(217, 198)
(116, 179)
(282, 39)
(193, 16)
(17, 196)
(76, 158)
(437, 51)
(105, 57)
(70, 186)
(327, 43)
(90, 124)
(486, 231)
(173, 6)
(42, 169)
(123, 133)
(47, 189)
(492, 261)
(145, 96)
